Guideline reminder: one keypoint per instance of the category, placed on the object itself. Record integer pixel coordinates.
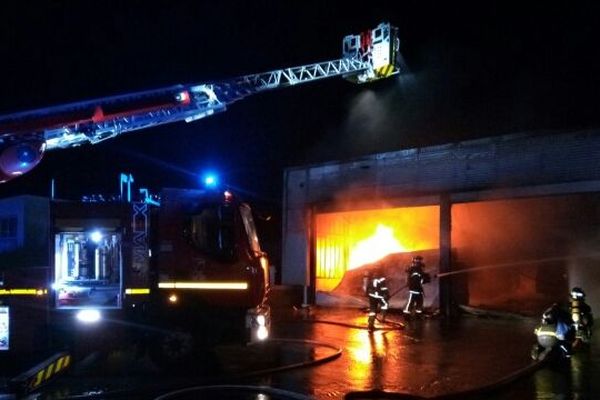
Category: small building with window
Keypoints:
(24, 229)
(24, 267)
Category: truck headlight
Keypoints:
(262, 333)
(89, 316)
(258, 321)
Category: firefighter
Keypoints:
(378, 294)
(416, 277)
(555, 333)
(581, 313)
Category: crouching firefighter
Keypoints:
(378, 294)
(555, 333)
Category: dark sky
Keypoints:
(475, 69)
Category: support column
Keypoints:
(311, 273)
(445, 254)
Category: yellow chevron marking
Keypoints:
(59, 364)
(49, 371)
(385, 71)
(38, 379)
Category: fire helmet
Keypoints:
(417, 260)
(550, 315)
(577, 293)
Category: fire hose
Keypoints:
(191, 386)
(198, 390)
(474, 393)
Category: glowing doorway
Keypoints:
(353, 240)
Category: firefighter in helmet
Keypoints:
(416, 277)
(378, 294)
(581, 313)
(555, 332)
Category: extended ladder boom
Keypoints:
(26, 135)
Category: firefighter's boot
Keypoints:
(371, 322)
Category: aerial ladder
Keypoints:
(25, 136)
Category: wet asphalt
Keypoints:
(426, 358)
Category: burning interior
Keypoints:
(525, 254)
(350, 243)
(515, 255)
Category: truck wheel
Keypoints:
(173, 350)
(180, 352)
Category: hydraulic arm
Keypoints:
(25, 136)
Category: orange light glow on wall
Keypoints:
(348, 240)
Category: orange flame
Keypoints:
(348, 240)
(375, 247)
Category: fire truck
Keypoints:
(181, 273)
(173, 275)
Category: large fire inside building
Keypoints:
(349, 244)
(499, 222)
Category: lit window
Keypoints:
(88, 269)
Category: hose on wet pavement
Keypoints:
(259, 389)
(292, 395)
(373, 394)
(499, 384)
(337, 352)
(150, 391)
(392, 325)
(474, 393)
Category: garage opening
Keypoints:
(526, 253)
(350, 243)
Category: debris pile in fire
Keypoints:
(393, 266)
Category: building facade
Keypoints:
(519, 212)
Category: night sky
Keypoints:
(474, 69)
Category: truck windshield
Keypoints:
(212, 231)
